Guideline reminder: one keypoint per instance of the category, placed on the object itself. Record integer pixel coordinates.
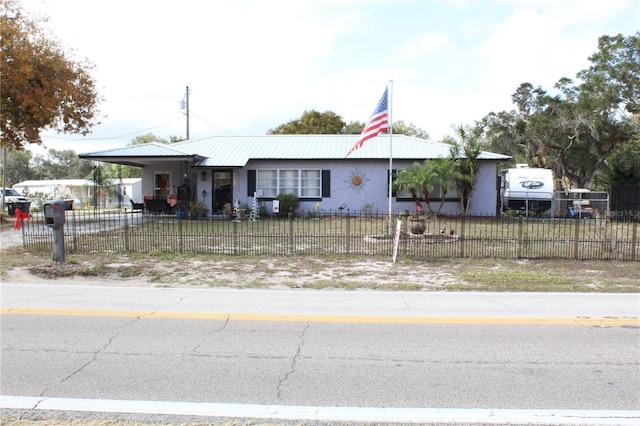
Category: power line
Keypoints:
(214, 126)
(117, 137)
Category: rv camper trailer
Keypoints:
(526, 189)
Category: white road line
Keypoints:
(355, 414)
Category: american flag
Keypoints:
(378, 123)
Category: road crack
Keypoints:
(294, 362)
(94, 356)
(220, 329)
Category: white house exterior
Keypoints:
(228, 169)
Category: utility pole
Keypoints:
(187, 108)
(4, 176)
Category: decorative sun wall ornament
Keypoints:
(357, 180)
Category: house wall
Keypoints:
(484, 199)
(373, 190)
(176, 172)
(371, 193)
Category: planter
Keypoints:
(417, 226)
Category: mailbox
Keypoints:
(54, 213)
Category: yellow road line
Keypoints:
(220, 316)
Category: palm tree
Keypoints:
(445, 175)
(419, 180)
(464, 154)
(408, 179)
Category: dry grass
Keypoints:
(325, 272)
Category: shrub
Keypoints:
(197, 209)
(288, 203)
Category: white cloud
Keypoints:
(252, 65)
(424, 44)
(546, 41)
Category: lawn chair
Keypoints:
(137, 207)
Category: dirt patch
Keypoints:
(238, 273)
(328, 272)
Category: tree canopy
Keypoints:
(41, 86)
(56, 164)
(329, 123)
(64, 164)
(401, 128)
(577, 127)
(311, 123)
(614, 74)
(150, 137)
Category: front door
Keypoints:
(222, 183)
(162, 185)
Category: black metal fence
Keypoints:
(341, 233)
(625, 202)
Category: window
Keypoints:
(452, 192)
(436, 194)
(310, 183)
(303, 183)
(268, 183)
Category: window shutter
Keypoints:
(251, 182)
(393, 177)
(326, 183)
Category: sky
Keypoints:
(252, 65)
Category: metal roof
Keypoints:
(236, 151)
(151, 149)
(68, 182)
(138, 155)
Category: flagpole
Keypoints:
(390, 155)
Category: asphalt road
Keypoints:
(408, 350)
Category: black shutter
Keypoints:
(251, 182)
(393, 177)
(326, 183)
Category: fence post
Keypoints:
(520, 238)
(576, 239)
(234, 225)
(461, 236)
(634, 241)
(73, 230)
(180, 236)
(290, 217)
(348, 232)
(126, 231)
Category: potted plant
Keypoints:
(417, 221)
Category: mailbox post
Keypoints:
(54, 212)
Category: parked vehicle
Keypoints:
(526, 189)
(14, 200)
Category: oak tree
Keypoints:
(574, 130)
(329, 123)
(42, 86)
(311, 123)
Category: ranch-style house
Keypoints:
(221, 171)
